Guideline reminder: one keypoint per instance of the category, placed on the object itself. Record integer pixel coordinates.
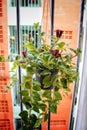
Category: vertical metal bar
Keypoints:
(24, 3)
(71, 123)
(52, 16)
(19, 50)
(51, 33)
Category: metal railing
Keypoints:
(26, 32)
(26, 3)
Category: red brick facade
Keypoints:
(6, 114)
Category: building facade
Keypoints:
(66, 18)
(6, 107)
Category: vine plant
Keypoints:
(43, 68)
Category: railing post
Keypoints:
(19, 47)
(51, 33)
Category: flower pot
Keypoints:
(40, 78)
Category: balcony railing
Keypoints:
(26, 32)
(26, 3)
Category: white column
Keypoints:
(81, 119)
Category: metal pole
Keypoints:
(18, 43)
(51, 33)
(71, 123)
(51, 16)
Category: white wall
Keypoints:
(28, 16)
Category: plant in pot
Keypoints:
(46, 68)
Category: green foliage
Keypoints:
(50, 66)
(2, 58)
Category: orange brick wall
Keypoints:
(6, 113)
(66, 18)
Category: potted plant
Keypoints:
(44, 68)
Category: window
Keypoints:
(26, 3)
(1, 34)
(0, 8)
(12, 3)
(5, 124)
(27, 32)
(67, 34)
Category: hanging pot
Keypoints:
(40, 78)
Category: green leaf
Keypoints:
(38, 123)
(61, 45)
(30, 46)
(36, 25)
(47, 81)
(36, 85)
(2, 58)
(30, 69)
(54, 79)
(17, 57)
(25, 127)
(42, 33)
(36, 96)
(27, 105)
(42, 106)
(36, 108)
(68, 89)
(45, 117)
(26, 101)
(15, 65)
(77, 51)
(32, 119)
(53, 108)
(7, 88)
(45, 72)
(24, 114)
(57, 95)
(64, 82)
(68, 58)
(47, 94)
(27, 85)
(75, 75)
(24, 92)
